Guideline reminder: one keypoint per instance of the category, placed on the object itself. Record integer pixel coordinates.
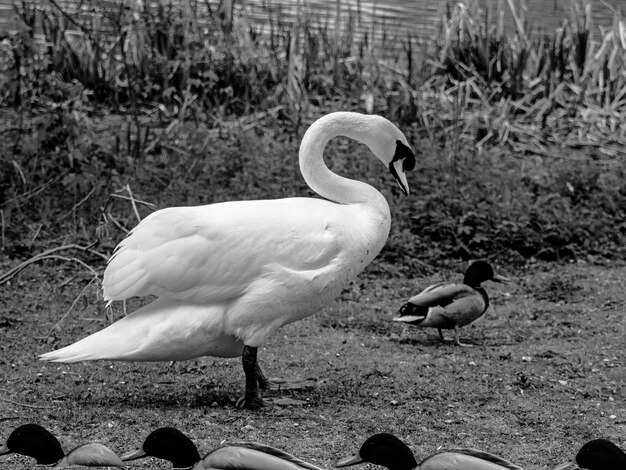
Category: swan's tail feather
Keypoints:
(66, 354)
(108, 343)
(164, 330)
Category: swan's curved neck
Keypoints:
(315, 172)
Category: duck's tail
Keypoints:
(164, 330)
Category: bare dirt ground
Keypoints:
(546, 372)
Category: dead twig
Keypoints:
(138, 201)
(49, 254)
(23, 404)
(33, 192)
(132, 201)
(78, 297)
(79, 203)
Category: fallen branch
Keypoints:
(22, 404)
(133, 203)
(50, 254)
(82, 292)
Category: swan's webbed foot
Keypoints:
(250, 403)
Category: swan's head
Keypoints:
(389, 144)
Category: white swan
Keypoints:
(227, 275)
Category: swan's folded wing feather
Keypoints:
(253, 456)
(212, 253)
(441, 294)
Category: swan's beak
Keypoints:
(4, 448)
(399, 175)
(134, 455)
(348, 461)
(403, 160)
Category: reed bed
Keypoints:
(532, 125)
(528, 92)
(525, 91)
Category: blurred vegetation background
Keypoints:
(520, 134)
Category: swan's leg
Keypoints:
(252, 398)
(457, 341)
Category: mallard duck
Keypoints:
(36, 441)
(171, 444)
(599, 454)
(448, 305)
(388, 451)
(227, 275)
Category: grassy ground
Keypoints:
(545, 373)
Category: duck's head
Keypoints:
(167, 443)
(599, 454)
(479, 272)
(33, 441)
(390, 145)
(92, 454)
(382, 449)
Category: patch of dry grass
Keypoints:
(545, 373)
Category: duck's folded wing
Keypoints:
(441, 294)
(253, 456)
(92, 454)
(466, 459)
(464, 309)
(212, 253)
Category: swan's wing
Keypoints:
(441, 294)
(466, 459)
(212, 253)
(253, 456)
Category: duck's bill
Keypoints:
(399, 175)
(498, 278)
(4, 448)
(134, 455)
(565, 465)
(348, 461)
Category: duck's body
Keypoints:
(35, 441)
(227, 275)
(465, 459)
(170, 444)
(92, 454)
(598, 454)
(389, 451)
(251, 456)
(449, 305)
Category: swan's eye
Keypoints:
(405, 154)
